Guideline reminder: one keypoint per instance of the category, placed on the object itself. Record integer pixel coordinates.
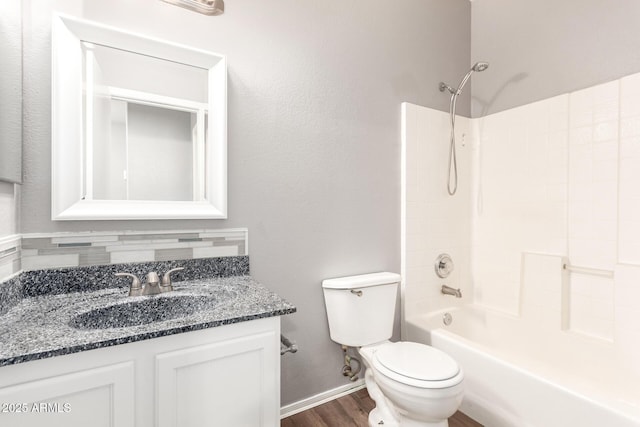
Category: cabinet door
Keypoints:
(100, 397)
(230, 383)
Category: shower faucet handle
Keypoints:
(444, 265)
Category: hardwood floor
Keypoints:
(352, 411)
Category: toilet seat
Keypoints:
(417, 365)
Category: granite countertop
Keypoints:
(41, 326)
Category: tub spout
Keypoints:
(447, 290)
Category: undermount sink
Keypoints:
(147, 310)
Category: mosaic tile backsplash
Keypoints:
(57, 250)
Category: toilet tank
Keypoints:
(361, 309)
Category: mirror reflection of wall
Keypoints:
(144, 133)
(145, 154)
(123, 69)
(11, 91)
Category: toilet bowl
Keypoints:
(412, 384)
(418, 385)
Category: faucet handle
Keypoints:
(166, 279)
(136, 287)
(152, 278)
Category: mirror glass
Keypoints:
(139, 126)
(143, 136)
(11, 91)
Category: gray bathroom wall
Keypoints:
(539, 49)
(314, 136)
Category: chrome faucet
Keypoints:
(447, 290)
(153, 286)
(166, 286)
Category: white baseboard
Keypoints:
(320, 398)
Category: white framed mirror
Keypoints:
(139, 126)
(11, 91)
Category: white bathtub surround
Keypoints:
(629, 171)
(545, 291)
(519, 202)
(432, 221)
(552, 183)
(627, 325)
(556, 177)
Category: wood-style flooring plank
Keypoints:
(353, 406)
(364, 400)
(306, 418)
(352, 410)
(334, 414)
(461, 420)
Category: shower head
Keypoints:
(480, 66)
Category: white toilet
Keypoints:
(412, 384)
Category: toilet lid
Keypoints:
(417, 361)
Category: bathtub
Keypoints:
(517, 375)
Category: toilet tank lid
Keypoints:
(361, 281)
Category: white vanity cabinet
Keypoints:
(222, 376)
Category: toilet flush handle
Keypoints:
(356, 292)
